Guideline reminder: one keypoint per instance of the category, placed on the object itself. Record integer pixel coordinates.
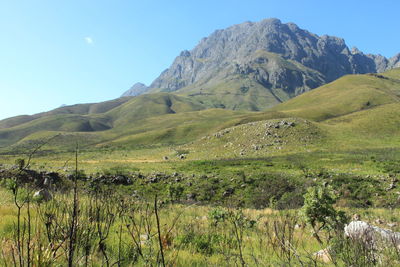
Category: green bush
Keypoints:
(318, 211)
(217, 215)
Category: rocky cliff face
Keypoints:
(318, 59)
(135, 90)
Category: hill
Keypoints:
(117, 114)
(355, 112)
(348, 94)
(341, 111)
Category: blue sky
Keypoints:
(68, 52)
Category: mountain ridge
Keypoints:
(227, 52)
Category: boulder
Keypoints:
(373, 236)
(228, 192)
(191, 196)
(323, 255)
(121, 180)
(42, 195)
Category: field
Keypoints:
(113, 229)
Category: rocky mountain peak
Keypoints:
(135, 90)
(328, 55)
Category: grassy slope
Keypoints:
(356, 112)
(348, 94)
(79, 109)
(126, 115)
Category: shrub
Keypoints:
(217, 215)
(319, 212)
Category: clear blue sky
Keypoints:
(79, 51)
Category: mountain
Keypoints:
(135, 90)
(258, 65)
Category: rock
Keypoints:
(46, 182)
(228, 192)
(42, 195)
(191, 196)
(53, 177)
(238, 50)
(390, 187)
(323, 255)
(356, 217)
(299, 226)
(121, 180)
(374, 237)
(153, 180)
(135, 90)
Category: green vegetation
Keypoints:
(225, 179)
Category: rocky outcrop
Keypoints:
(373, 236)
(135, 90)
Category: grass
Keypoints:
(191, 235)
(343, 113)
(351, 93)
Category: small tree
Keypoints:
(20, 163)
(319, 212)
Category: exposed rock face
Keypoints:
(273, 54)
(136, 89)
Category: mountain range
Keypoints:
(253, 66)
(248, 72)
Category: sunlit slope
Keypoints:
(378, 126)
(118, 114)
(354, 111)
(346, 95)
(357, 112)
(78, 109)
(169, 129)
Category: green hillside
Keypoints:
(355, 110)
(348, 94)
(117, 114)
(78, 109)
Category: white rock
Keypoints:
(43, 194)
